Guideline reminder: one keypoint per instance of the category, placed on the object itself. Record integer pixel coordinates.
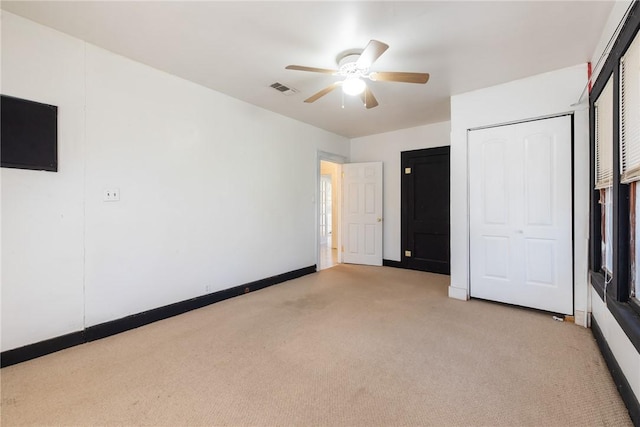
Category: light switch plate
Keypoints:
(111, 195)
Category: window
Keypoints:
(630, 149)
(325, 207)
(604, 173)
(634, 238)
(615, 157)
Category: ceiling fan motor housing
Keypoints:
(347, 65)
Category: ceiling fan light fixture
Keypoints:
(354, 66)
(353, 86)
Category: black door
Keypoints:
(425, 210)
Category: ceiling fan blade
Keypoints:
(393, 76)
(370, 53)
(323, 92)
(369, 100)
(312, 69)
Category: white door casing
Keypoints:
(520, 214)
(362, 213)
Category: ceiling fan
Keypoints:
(354, 67)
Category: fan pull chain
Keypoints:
(342, 99)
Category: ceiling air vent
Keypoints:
(285, 90)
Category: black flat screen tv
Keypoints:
(29, 134)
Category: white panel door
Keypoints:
(362, 213)
(520, 214)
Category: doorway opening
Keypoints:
(328, 214)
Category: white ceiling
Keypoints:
(240, 48)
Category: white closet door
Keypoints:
(520, 214)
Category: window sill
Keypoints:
(625, 313)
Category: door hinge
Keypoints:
(342, 248)
(343, 174)
(407, 253)
(407, 171)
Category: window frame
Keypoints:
(615, 294)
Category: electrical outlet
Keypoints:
(207, 288)
(111, 195)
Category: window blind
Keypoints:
(604, 137)
(630, 113)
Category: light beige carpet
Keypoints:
(351, 345)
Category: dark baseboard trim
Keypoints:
(31, 351)
(92, 333)
(630, 400)
(392, 263)
(113, 327)
(402, 264)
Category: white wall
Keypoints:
(386, 147)
(541, 95)
(42, 212)
(214, 192)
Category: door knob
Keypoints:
(379, 219)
